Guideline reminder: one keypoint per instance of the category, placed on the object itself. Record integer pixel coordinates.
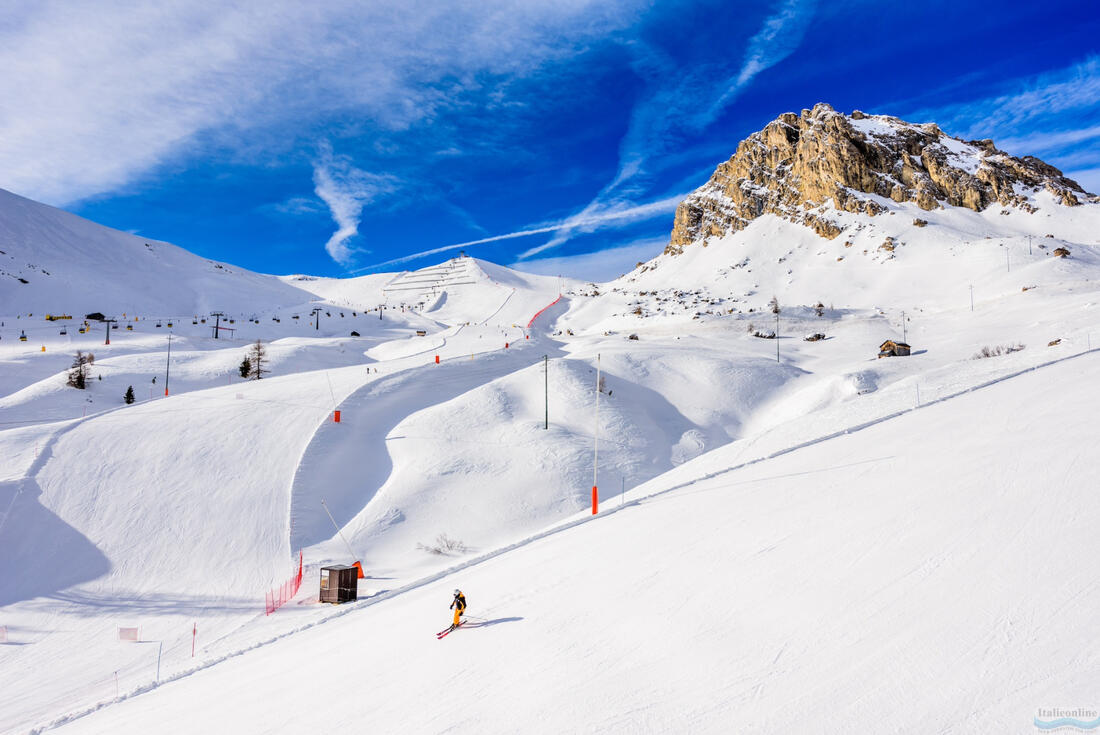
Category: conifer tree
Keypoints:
(129, 397)
(257, 356)
(78, 372)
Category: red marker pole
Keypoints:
(194, 632)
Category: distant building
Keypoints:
(890, 348)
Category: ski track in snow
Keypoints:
(224, 485)
(605, 512)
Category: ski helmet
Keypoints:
(457, 592)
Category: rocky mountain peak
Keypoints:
(801, 161)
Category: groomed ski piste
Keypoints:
(823, 542)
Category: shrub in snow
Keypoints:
(245, 368)
(444, 545)
(988, 351)
(129, 397)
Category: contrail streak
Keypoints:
(642, 211)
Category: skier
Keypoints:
(458, 604)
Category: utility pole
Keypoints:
(777, 335)
(168, 364)
(596, 444)
(317, 323)
(546, 388)
(217, 321)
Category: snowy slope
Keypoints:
(820, 586)
(855, 582)
(55, 262)
(928, 267)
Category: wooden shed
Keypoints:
(339, 583)
(890, 348)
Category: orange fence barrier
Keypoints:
(539, 313)
(282, 594)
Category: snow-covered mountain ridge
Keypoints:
(799, 162)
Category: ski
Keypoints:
(443, 633)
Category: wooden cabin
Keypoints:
(339, 583)
(890, 348)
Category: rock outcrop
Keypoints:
(799, 162)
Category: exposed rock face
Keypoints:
(798, 162)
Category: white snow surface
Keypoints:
(823, 542)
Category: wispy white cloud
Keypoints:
(681, 103)
(95, 96)
(600, 266)
(615, 217)
(778, 37)
(684, 102)
(346, 190)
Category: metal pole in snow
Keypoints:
(546, 388)
(777, 336)
(160, 650)
(972, 297)
(194, 632)
(338, 531)
(596, 444)
(168, 364)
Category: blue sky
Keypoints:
(345, 137)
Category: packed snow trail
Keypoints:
(346, 463)
(781, 590)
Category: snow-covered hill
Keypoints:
(910, 574)
(793, 535)
(55, 262)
